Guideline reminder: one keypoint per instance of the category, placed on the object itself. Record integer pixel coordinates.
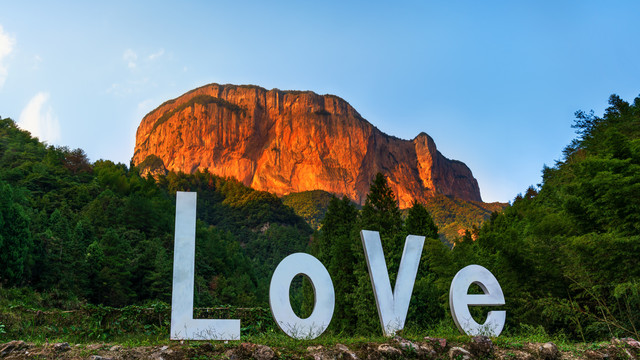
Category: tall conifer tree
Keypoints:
(334, 246)
(379, 213)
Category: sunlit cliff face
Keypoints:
(292, 141)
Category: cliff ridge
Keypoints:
(292, 141)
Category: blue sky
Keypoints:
(494, 83)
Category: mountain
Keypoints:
(292, 141)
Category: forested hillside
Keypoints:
(456, 216)
(101, 232)
(310, 205)
(453, 216)
(565, 253)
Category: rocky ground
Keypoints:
(397, 348)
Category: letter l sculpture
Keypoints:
(183, 325)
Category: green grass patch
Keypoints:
(131, 325)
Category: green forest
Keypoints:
(566, 252)
(101, 233)
(451, 215)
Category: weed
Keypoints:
(200, 357)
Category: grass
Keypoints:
(96, 331)
(149, 326)
(280, 340)
(29, 317)
(510, 344)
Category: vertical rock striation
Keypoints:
(292, 141)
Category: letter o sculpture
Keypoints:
(283, 314)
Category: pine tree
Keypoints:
(333, 246)
(379, 213)
(15, 237)
(59, 252)
(425, 308)
(113, 280)
(419, 222)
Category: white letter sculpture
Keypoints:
(392, 307)
(283, 314)
(183, 325)
(460, 300)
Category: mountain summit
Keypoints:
(291, 141)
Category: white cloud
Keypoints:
(41, 122)
(156, 55)
(130, 57)
(6, 47)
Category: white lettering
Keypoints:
(183, 325)
(285, 317)
(460, 300)
(392, 307)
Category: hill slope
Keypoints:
(103, 233)
(452, 216)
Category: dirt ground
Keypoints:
(396, 348)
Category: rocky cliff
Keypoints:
(292, 141)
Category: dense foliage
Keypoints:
(310, 205)
(452, 215)
(103, 233)
(565, 253)
(338, 244)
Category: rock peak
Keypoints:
(291, 141)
